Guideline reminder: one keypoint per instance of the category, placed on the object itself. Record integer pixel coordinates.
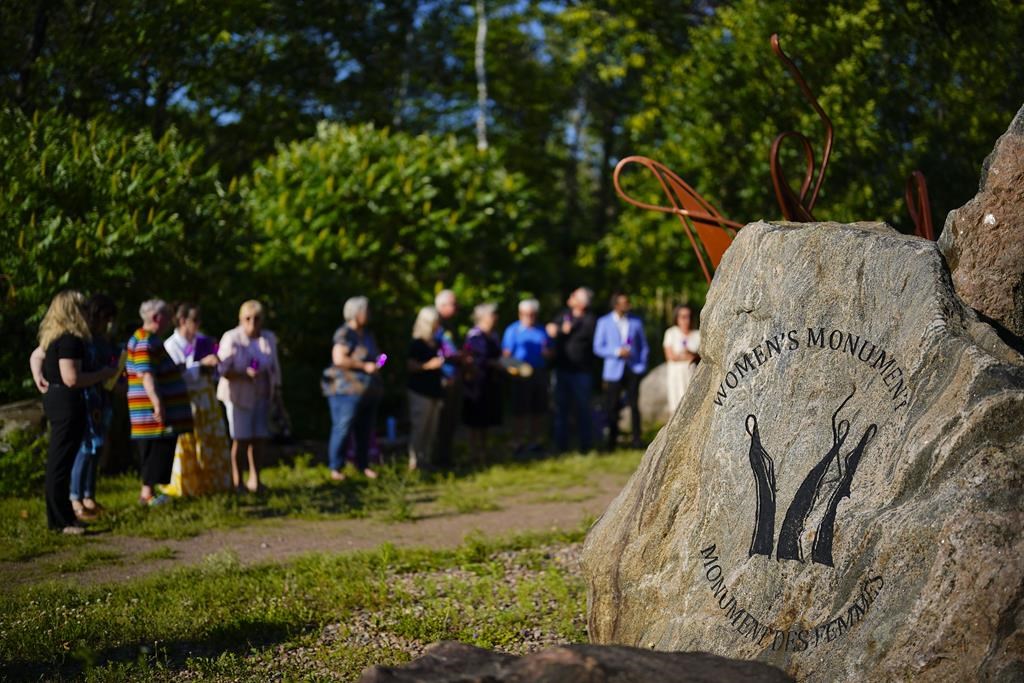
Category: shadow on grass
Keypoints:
(303, 489)
(240, 638)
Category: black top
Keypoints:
(424, 382)
(60, 401)
(575, 351)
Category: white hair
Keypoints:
(354, 306)
(587, 293)
(150, 308)
(529, 306)
(481, 311)
(443, 296)
(426, 320)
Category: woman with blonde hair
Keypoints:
(425, 391)
(62, 337)
(250, 381)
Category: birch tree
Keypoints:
(481, 75)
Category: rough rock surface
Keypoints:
(452, 662)
(653, 400)
(815, 505)
(983, 240)
(22, 415)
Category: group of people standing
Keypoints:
(447, 381)
(167, 383)
(437, 370)
(179, 385)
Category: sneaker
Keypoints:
(370, 474)
(337, 475)
(162, 499)
(73, 530)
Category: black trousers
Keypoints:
(447, 423)
(630, 383)
(363, 424)
(65, 439)
(156, 459)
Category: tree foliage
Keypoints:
(908, 85)
(396, 217)
(88, 206)
(125, 124)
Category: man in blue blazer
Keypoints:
(620, 340)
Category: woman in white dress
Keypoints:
(682, 352)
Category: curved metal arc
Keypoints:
(651, 165)
(829, 134)
(793, 208)
(709, 216)
(918, 206)
(674, 189)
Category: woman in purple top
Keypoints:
(481, 405)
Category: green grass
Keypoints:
(304, 490)
(87, 559)
(162, 553)
(319, 617)
(563, 497)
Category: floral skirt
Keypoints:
(202, 459)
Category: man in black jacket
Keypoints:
(573, 332)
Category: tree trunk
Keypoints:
(481, 75)
(160, 110)
(35, 48)
(605, 195)
(403, 81)
(574, 219)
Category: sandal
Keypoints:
(82, 513)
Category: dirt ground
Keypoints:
(280, 540)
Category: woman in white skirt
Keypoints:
(682, 352)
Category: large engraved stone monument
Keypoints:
(840, 492)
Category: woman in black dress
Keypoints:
(62, 337)
(481, 406)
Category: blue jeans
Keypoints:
(343, 410)
(572, 393)
(355, 414)
(83, 473)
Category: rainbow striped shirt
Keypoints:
(146, 354)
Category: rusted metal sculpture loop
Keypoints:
(793, 207)
(799, 208)
(918, 206)
(714, 232)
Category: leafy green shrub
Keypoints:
(22, 462)
(89, 206)
(362, 210)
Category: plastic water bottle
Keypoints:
(392, 428)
